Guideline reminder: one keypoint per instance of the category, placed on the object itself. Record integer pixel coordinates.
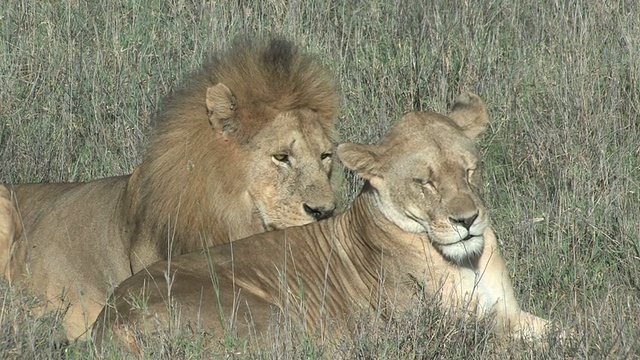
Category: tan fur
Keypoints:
(244, 147)
(418, 225)
(10, 229)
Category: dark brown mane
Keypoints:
(264, 77)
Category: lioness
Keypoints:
(10, 224)
(418, 223)
(244, 147)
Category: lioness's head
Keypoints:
(289, 161)
(425, 176)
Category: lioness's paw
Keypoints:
(541, 332)
(529, 327)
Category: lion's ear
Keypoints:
(361, 159)
(470, 114)
(221, 108)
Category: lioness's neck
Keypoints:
(365, 222)
(368, 239)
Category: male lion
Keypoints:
(244, 147)
(418, 225)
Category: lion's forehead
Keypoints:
(436, 142)
(295, 131)
(448, 146)
(437, 161)
(444, 165)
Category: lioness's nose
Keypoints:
(464, 221)
(320, 212)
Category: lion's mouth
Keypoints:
(468, 237)
(427, 230)
(464, 249)
(461, 241)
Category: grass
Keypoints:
(80, 81)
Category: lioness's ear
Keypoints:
(362, 159)
(470, 114)
(221, 108)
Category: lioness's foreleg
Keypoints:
(494, 287)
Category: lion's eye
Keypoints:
(326, 155)
(283, 158)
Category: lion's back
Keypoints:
(70, 229)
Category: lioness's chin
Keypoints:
(279, 225)
(463, 250)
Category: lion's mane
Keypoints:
(184, 163)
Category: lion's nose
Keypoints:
(320, 212)
(464, 221)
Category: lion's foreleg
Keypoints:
(496, 294)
